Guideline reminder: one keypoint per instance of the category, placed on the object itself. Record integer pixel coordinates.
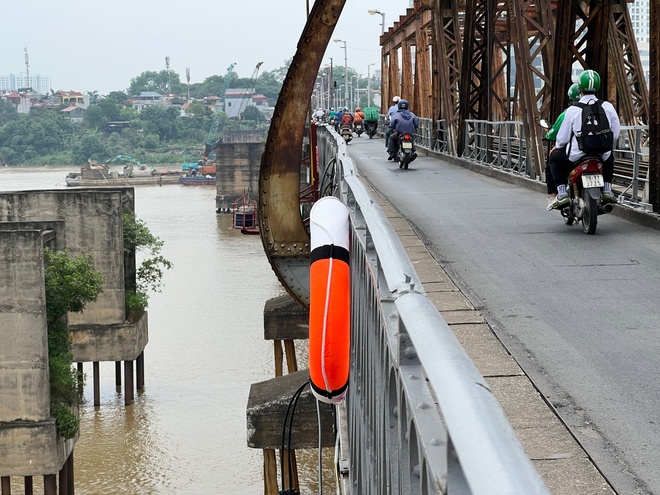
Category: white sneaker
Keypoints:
(558, 202)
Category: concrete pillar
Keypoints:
(97, 383)
(139, 363)
(64, 479)
(118, 374)
(71, 490)
(50, 484)
(128, 383)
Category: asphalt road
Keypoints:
(579, 313)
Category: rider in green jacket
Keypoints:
(573, 97)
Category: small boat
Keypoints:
(244, 214)
(198, 180)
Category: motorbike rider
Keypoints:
(567, 153)
(358, 116)
(318, 115)
(338, 116)
(573, 97)
(346, 118)
(403, 121)
(391, 111)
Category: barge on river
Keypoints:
(93, 174)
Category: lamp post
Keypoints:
(369, 84)
(376, 11)
(345, 72)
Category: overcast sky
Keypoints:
(87, 45)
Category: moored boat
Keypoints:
(198, 180)
(244, 214)
(94, 174)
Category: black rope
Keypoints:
(291, 408)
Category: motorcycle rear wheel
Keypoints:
(589, 213)
(405, 160)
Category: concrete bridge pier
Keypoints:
(268, 402)
(61, 483)
(130, 384)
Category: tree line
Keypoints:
(157, 135)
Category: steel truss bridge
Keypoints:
(454, 61)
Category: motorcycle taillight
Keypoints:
(406, 136)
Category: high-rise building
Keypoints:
(13, 82)
(640, 17)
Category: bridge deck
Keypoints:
(562, 461)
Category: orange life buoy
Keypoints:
(329, 300)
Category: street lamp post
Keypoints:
(369, 84)
(376, 11)
(345, 72)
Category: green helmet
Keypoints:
(573, 92)
(589, 81)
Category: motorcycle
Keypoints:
(406, 150)
(371, 127)
(358, 128)
(585, 190)
(346, 131)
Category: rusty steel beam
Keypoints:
(475, 61)
(447, 62)
(423, 93)
(283, 233)
(407, 90)
(485, 74)
(518, 13)
(563, 48)
(412, 80)
(654, 109)
(633, 94)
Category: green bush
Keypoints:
(70, 285)
(149, 275)
(66, 421)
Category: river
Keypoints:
(186, 432)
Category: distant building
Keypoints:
(39, 84)
(147, 98)
(640, 16)
(72, 98)
(238, 99)
(73, 113)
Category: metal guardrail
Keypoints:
(419, 417)
(502, 145)
(497, 144)
(430, 135)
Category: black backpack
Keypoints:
(596, 137)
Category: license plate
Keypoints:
(592, 180)
(406, 145)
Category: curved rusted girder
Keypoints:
(283, 233)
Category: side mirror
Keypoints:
(545, 124)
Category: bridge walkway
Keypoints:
(566, 461)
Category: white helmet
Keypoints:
(396, 99)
